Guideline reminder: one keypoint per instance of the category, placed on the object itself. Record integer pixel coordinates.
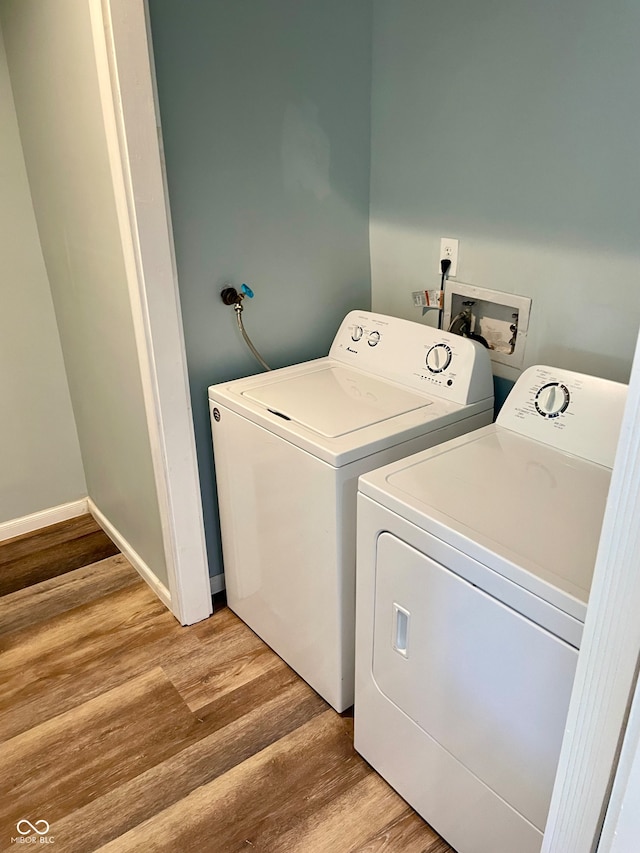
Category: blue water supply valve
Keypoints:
(244, 288)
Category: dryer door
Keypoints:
(491, 687)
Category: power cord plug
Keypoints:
(445, 265)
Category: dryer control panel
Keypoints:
(570, 411)
(415, 355)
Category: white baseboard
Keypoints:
(217, 583)
(29, 523)
(134, 558)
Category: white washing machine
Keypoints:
(289, 447)
(474, 567)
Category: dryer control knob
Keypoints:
(374, 337)
(438, 358)
(552, 400)
(357, 333)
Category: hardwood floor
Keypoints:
(125, 731)
(52, 551)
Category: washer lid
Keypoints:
(334, 401)
(508, 499)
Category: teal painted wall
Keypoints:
(501, 389)
(514, 126)
(265, 110)
(511, 125)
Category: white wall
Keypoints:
(514, 126)
(40, 460)
(53, 74)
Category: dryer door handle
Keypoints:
(400, 640)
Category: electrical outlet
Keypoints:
(449, 249)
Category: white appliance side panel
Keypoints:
(279, 538)
(288, 525)
(465, 811)
(489, 686)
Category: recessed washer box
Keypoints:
(494, 313)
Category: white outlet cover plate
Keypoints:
(449, 249)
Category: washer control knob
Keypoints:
(438, 358)
(357, 333)
(374, 337)
(552, 400)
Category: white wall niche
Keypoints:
(493, 313)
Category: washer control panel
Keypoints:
(372, 337)
(570, 411)
(552, 400)
(438, 358)
(415, 355)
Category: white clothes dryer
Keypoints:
(474, 567)
(289, 447)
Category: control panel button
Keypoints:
(374, 337)
(357, 333)
(438, 358)
(552, 400)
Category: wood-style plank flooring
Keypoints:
(54, 550)
(127, 732)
